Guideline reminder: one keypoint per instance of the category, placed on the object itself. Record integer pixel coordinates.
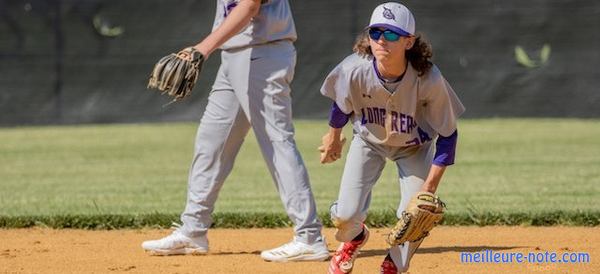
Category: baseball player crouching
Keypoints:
(401, 109)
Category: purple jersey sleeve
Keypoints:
(337, 118)
(445, 148)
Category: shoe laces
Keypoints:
(349, 251)
(176, 234)
(293, 245)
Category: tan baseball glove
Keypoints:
(424, 212)
(176, 74)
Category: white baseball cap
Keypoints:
(395, 17)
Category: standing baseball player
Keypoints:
(251, 90)
(401, 109)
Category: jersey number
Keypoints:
(423, 138)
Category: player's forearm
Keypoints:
(444, 156)
(239, 17)
(433, 179)
(335, 133)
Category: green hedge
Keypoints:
(268, 220)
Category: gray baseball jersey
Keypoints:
(398, 124)
(274, 22)
(415, 113)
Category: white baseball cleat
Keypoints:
(177, 244)
(297, 251)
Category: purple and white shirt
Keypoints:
(418, 109)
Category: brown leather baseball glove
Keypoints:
(176, 74)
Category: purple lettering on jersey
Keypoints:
(363, 118)
(380, 115)
(411, 124)
(423, 135)
(394, 121)
(403, 122)
(376, 115)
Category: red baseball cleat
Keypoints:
(388, 266)
(343, 259)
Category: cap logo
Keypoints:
(387, 14)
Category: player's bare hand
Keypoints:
(331, 147)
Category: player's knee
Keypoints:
(348, 224)
(341, 215)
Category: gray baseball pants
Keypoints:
(252, 90)
(364, 164)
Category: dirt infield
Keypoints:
(236, 251)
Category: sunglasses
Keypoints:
(388, 35)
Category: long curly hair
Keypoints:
(419, 55)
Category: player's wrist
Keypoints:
(335, 132)
(202, 48)
(429, 187)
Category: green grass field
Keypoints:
(503, 166)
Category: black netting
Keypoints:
(87, 61)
